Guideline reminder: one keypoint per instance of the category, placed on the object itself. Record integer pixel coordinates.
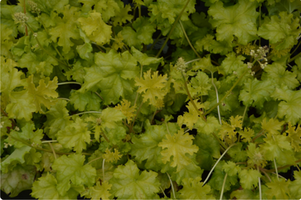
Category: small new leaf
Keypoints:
(153, 88)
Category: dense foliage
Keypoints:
(151, 99)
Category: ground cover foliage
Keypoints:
(151, 99)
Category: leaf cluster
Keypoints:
(150, 100)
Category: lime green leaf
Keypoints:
(295, 186)
(246, 134)
(256, 92)
(129, 183)
(21, 105)
(170, 9)
(77, 73)
(278, 75)
(278, 188)
(5, 122)
(208, 150)
(191, 117)
(231, 168)
(108, 8)
(115, 135)
(217, 178)
(6, 40)
(113, 75)
(232, 64)
(122, 15)
(239, 20)
(111, 156)
(110, 116)
(278, 147)
(126, 109)
(46, 187)
(194, 189)
(16, 157)
(85, 101)
(142, 33)
(297, 68)
(26, 134)
(256, 156)
(211, 125)
(38, 62)
(66, 25)
(290, 108)
(10, 78)
(205, 64)
(237, 153)
(48, 6)
(189, 171)
(273, 126)
(44, 94)
(75, 135)
(281, 30)
(153, 88)
(208, 43)
(17, 180)
(84, 50)
(243, 194)
(175, 147)
(145, 146)
(294, 136)
(101, 191)
(143, 58)
(230, 130)
(201, 84)
(33, 158)
(249, 178)
(57, 118)
(72, 169)
(96, 29)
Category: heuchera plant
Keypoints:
(101, 101)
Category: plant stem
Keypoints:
(172, 188)
(220, 142)
(263, 171)
(257, 136)
(227, 94)
(243, 116)
(217, 162)
(67, 83)
(283, 167)
(52, 150)
(98, 95)
(294, 58)
(296, 47)
(182, 27)
(157, 39)
(136, 115)
(217, 99)
(172, 29)
(100, 157)
(103, 169)
(88, 112)
(191, 100)
(224, 182)
(24, 10)
(259, 186)
(105, 137)
(276, 169)
(49, 141)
